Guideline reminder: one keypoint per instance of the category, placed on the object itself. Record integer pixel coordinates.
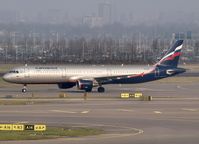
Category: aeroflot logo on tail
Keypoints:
(173, 54)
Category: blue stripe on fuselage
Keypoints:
(159, 73)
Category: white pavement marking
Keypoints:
(180, 87)
(188, 109)
(15, 122)
(61, 111)
(23, 122)
(157, 112)
(85, 112)
(24, 112)
(126, 110)
(107, 135)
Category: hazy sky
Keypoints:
(76, 8)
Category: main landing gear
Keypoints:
(24, 89)
(101, 89)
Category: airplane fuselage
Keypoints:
(62, 74)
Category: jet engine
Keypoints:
(170, 71)
(66, 85)
(86, 85)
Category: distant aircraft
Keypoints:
(88, 77)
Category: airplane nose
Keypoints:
(5, 77)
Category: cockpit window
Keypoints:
(13, 71)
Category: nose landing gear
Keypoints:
(24, 89)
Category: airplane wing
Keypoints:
(103, 80)
(99, 80)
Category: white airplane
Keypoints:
(87, 77)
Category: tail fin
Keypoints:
(172, 56)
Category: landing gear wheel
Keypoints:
(24, 90)
(101, 89)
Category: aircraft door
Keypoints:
(63, 71)
(109, 72)
(26, 72)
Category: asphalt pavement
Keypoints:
(172, 117)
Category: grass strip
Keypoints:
(50, 133)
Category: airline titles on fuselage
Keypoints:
(46, 68)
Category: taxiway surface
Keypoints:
(172, 117)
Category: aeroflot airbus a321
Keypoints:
(87, 77)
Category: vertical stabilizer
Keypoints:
(171, 58)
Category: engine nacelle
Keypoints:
(86, 85)
(66, 85)
(170, 72)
